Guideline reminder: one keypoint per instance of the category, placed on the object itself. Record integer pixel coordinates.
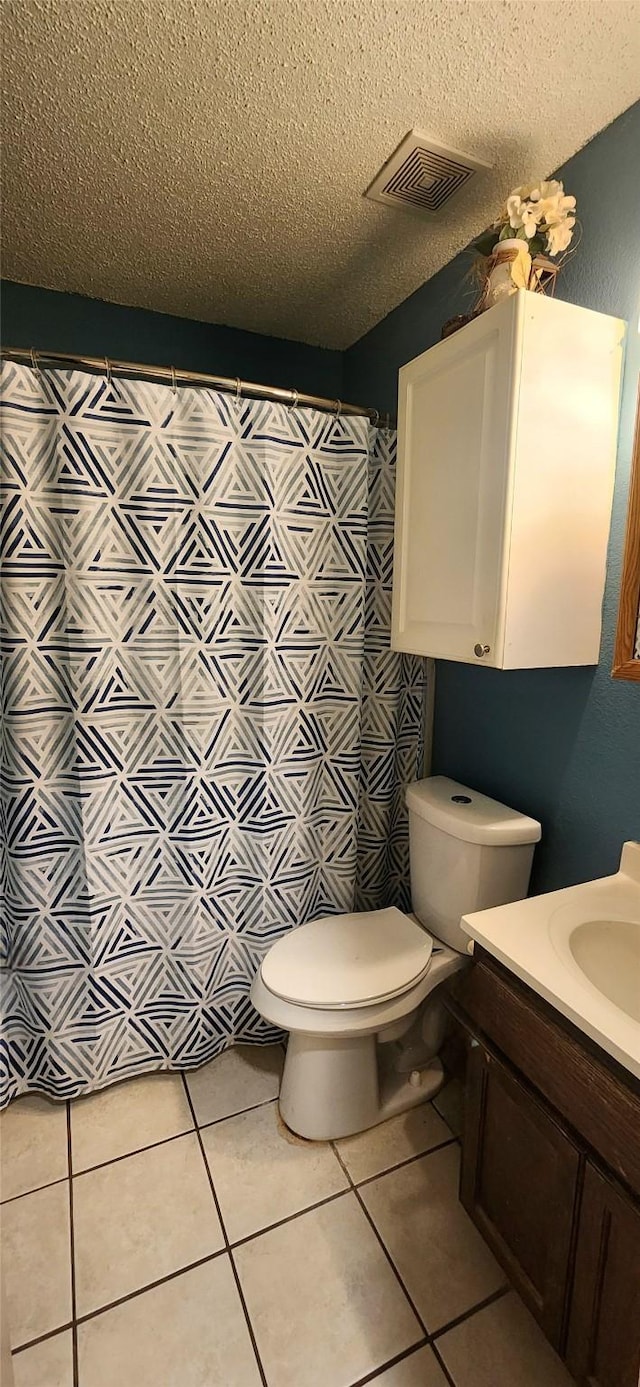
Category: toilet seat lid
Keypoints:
(348, 960)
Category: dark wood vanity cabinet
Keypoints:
(603, 1346)
(520, 1181)
(552, 1179)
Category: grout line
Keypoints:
(74, 1330)
(42, 1338)
(409, 1160)
(443, 1367)
(215, 1121)
(36, 1190)
(254, 1345)
(446, 1120)
(467, 1314)
(234, 1269)
(434, 1104)
(138, 1151)
(379, 1239)
(289, 1218)
(149, 1286)
(390, 1363)
(455, 1136)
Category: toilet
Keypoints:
(361, 994)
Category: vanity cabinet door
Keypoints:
(520, 1182)
(603, 1347)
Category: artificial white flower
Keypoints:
(559, 236)
(550, 188)
(555, 209)
(522, 215)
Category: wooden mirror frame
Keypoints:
(626, 665)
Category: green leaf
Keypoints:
(508, 234)
(485, 242)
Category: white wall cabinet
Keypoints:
(506, 456)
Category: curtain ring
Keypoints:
(338, 408)
(238, 387)
(293, 404)
(174, 382)
(376, 418)
(34, 360)
(107, 370)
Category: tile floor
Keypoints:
(170, 1232)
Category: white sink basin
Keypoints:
(608, 953)
(580, 949)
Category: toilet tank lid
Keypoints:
(467, 815)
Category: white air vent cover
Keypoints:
(423, 173)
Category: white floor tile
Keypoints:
(370, 1153)
(263, 1173)
(189, 1332)
(240, 1078)
(36, 1262)
(502, 1346)
(323, 1301)
(420, 1369)
(33, 1145)
(140, 1219)
(127, 1116)
(49, 1364)
(445, 1264)
(450, 1104)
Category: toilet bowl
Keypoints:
(337, 1077)
(361, 994)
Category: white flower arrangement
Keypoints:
(542, 215)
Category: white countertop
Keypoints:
(532, 939)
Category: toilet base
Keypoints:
(336, 1087)
(398, 1093)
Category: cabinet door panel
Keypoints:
(520, 1178)
(455, 412)
(604, 1329)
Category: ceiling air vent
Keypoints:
(423, 173)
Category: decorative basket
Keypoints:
(509, 268)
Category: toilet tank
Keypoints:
(467, 852)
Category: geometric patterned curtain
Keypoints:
(205, 736)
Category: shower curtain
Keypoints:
(205, 736)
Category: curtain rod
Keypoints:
(104, 366)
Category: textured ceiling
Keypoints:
(208, 158)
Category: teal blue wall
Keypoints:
(563, 745)
(49, 321)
